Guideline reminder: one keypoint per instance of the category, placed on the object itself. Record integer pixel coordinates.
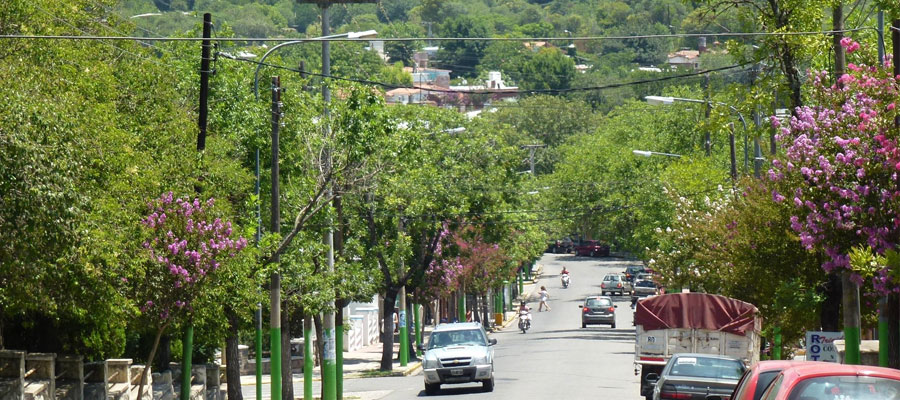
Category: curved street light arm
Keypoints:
(263, 60)
(280, 45)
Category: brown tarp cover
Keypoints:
(696, 311)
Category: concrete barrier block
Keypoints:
(40, 376)
(96, 383)
(12, 375)
(69, 378)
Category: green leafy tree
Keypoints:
(462, 56)
(548, 69)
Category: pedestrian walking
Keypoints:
(544, 297)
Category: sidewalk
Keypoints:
(362, 363)
(366, 361)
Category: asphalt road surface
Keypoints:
(556, 359)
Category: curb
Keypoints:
(376, 373)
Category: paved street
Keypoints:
(555, 359)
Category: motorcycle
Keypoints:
(565, 280)
(524, 320)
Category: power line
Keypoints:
(492, 91)
(411, 39)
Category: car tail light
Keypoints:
(586, 309)
(612, 309)
(669, 392)
(618, 285)
(603, 285)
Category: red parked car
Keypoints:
(592, 248)
(757, 379)
(827, 381)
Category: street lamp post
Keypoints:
(666, 100)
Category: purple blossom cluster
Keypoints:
(841, 163)
(187, 245)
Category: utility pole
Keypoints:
(850, 290)
(733, 160)
(188, 340)
(532, 148)
(883, 309)
(332, 373)
(893, 301)
(706, 138)
(275, 289)
(401, 315)
(428, 24)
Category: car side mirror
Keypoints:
(652, 378)
(615, 306)
(492, 341)
(580, 306)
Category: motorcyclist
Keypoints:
(564, 275)
(525, 312)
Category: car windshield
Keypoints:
(611, 278)
(597, 303)
(470, 337)
(703, 367)
(846, 387)
(645, 284)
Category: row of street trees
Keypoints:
(107, 250)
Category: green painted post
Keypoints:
(275, 336)
(187, 350)
(776, 352)
(404, 330)
(418, 322)
(258, 351)
(329, 385)
(883, 332)
(307, 358)
(339, 358)
(851, 313)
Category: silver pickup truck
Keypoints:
(459, 353)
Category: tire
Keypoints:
(583, 325)
(613, 325)
(432, 388)
(487, 385)
(592, 253)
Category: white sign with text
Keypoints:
(820, 346)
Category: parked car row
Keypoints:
(587, 248)
(709, 377)
(710, 372)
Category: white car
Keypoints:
(459, 353)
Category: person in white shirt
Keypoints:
(544, 297)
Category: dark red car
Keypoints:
(757, 379)
(827, 381)
(592, 248)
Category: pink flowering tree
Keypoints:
(443, 272)
(841, 164)
(185, 246)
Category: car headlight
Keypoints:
(482, 360)
(431, 362)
